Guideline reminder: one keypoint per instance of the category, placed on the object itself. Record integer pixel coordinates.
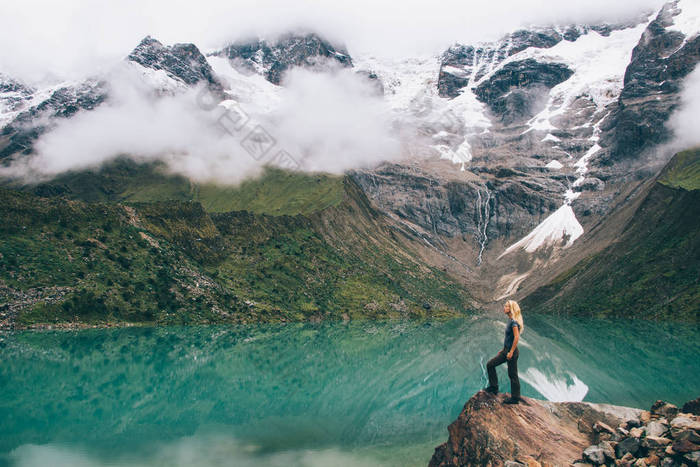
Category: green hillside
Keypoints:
(274, 192)
(65, 260)
(653, 269)
(683, 171)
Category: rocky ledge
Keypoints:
(539, 433)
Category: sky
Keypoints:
(46, 39)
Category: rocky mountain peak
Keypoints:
(667, 52)
(181, 62)
(273, 58)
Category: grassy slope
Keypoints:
(275, 192)
(653, 269)
(173, 262)
(683, 171)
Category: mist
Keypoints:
(321, 121)
(684, 121)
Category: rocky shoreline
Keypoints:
(539, 433)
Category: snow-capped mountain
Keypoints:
(517, 146)
(272, 59)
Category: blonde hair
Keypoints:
(515, 312)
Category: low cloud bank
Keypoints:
(323, 121)
(684, 121)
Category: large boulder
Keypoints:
(489, 432)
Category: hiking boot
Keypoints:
(512, 400)
(492, 389)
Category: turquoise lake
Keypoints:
(330, 394)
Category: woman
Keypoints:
(510, 353)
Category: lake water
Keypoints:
(330, 394)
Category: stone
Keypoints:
(640, 463)
(664, 409)
(645, 416)
(688, 435)
(627, 445)
(622, 431)
(513, 464)
(668, 462)
(684, 446)
(692, 407)
(600, 427)
(608, 449)
(636, 432)
(655, 442)
(693, 457)
(684, 422)
(652, 459)
(634, 423)
(656, 428)
(626, 461)
(595, 454)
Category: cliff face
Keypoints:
(487, 432)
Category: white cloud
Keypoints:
(334, 119)
(329, 122)
(72, 38)
(683, 122)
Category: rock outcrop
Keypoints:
(519, 89)
(538, 433)
(534, 432)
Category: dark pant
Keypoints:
(512, 370)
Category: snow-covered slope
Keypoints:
(560, 227)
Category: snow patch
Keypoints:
(560, 225)
(453, 70)
(157, 79)
(251, 89)
(554, 165)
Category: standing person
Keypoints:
(509, 353)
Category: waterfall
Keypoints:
(484, 215)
